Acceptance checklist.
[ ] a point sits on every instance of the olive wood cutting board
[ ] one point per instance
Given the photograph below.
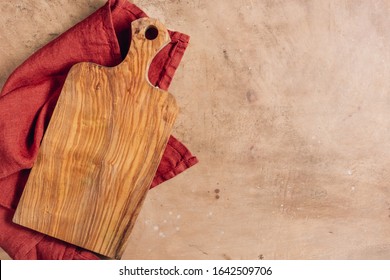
(101, 149)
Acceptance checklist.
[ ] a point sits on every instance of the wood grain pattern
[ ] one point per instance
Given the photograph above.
(101, 150)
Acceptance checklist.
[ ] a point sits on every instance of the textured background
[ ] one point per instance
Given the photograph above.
(286, 104)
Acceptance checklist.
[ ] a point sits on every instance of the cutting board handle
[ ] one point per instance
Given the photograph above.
(148, 37)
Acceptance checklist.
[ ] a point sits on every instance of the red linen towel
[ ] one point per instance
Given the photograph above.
(29, 96)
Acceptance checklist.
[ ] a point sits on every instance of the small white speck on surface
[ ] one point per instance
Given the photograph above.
(161, 234)
(281, 205)
(352, 188)
(222, 232)
(165, 221)
(155, 227)
(170, 213)
(178, 216)
(210, 214)
(349, 172)
(177, 228)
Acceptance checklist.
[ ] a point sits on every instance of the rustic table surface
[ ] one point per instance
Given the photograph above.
(287, 106)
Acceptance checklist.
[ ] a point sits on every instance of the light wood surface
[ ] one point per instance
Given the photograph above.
(286, 104)
(101, 150)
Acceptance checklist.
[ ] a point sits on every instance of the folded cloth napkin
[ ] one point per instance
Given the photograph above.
(27, 101)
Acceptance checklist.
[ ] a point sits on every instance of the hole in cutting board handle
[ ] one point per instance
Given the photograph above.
(151, 32)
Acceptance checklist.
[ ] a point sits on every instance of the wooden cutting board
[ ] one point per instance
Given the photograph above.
(101, 149)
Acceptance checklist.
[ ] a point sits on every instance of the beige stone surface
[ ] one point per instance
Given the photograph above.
(286, 104)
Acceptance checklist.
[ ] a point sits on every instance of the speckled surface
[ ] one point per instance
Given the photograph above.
(286, 104)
